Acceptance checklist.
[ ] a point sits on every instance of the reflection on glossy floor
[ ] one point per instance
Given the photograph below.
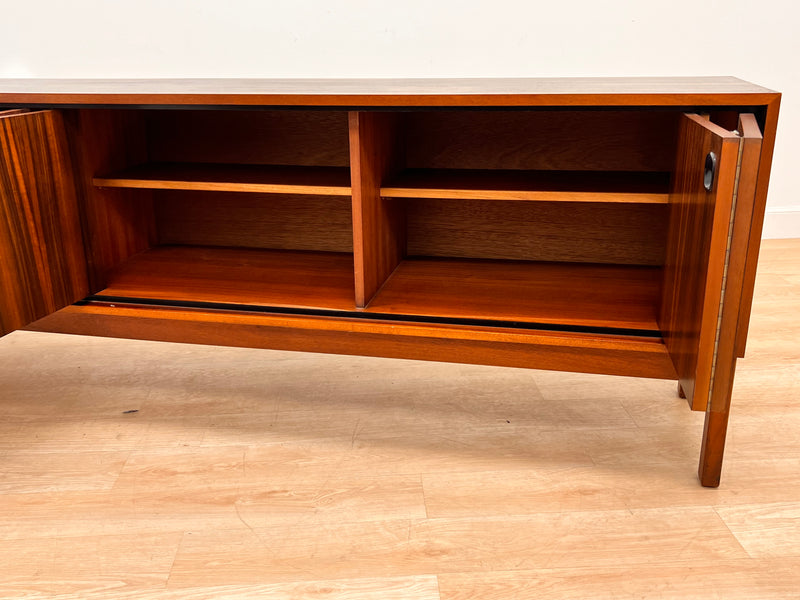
(149, 470)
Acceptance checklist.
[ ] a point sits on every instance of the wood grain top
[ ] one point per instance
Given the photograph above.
(560, 91)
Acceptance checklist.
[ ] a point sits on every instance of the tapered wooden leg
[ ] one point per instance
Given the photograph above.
(681, 393)
(711, 453)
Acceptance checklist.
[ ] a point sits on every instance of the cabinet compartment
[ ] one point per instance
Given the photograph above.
(549, 217)
(240, 207)
(568, 156)
(290, 152)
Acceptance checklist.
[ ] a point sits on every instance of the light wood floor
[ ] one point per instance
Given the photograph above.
(261, 474)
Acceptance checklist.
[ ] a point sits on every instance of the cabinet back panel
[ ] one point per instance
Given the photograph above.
(291, 222)
(561, 140)
(572, 232)
(249, 137)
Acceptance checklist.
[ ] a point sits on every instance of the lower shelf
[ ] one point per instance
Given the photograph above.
(471, 311)
(237, 276)
(599, 299)
(569, 294)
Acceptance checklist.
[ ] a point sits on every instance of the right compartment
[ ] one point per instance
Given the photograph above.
(552, 219)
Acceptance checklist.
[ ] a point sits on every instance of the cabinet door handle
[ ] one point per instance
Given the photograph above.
(710, 171)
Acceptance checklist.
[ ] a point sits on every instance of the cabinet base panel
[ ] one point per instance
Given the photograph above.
(610, 355)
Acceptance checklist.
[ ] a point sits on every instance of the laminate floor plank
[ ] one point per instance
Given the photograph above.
(417, 547)
(400, 588)
(767, 529)
(604, 488)
(729, 580)
(24, 472)
(93, 564)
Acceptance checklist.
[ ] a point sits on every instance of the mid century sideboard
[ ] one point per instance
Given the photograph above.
(596, 225)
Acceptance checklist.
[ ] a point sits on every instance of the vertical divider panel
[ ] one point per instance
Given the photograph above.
(376, 151)
(118, 223)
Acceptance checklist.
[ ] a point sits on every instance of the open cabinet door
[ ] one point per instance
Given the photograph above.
(704, 201)
(42, 260)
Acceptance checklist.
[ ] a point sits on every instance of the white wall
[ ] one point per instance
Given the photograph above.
(757, 41)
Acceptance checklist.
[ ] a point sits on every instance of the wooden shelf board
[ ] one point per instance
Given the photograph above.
(551, 186)
(237, 276)
(555, 293)
(265, 179)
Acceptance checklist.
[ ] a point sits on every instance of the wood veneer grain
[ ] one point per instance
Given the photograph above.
(42, 264)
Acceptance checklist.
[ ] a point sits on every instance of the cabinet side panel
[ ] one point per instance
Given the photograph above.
(42, 263)
(696, 249)
(757, 222)
(118, 222)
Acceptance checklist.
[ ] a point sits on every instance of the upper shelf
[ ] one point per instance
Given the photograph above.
(552, 186)
(265, 179)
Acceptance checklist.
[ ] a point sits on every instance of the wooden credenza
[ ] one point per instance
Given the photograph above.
(595, 225)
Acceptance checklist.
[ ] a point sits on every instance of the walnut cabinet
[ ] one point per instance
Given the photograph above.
(596, 225)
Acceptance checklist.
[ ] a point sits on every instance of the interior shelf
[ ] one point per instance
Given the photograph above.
(553, 186)
(570, 294)
(275, 179)
(287, 278)
(562, 294)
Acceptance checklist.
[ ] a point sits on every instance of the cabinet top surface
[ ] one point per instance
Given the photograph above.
(594, 91)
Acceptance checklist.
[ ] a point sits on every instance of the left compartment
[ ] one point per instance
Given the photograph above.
(240, 208)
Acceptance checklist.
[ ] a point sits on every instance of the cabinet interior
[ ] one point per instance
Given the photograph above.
(524, 218)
